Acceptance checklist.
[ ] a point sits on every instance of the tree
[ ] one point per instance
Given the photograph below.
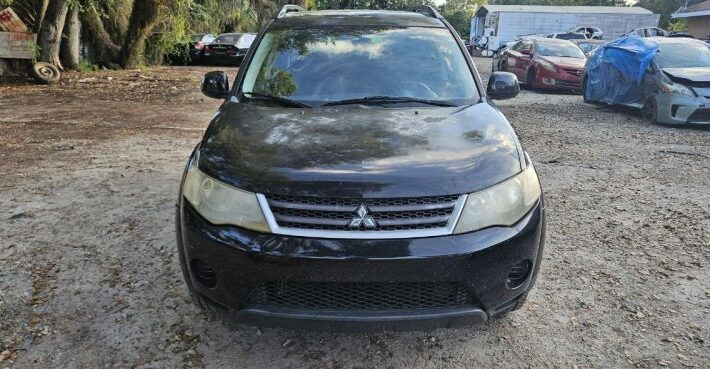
(663, 7)
(69, 51)
(144, 17)
(50, 36)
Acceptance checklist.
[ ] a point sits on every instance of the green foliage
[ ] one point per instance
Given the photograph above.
(86, 66)
(369, 4)
(663, 7)
(680, 25)
(459, 14)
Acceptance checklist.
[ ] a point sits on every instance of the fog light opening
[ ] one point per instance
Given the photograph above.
(204, 273)
(519, 274)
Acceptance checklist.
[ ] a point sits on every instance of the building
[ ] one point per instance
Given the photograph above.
(698, 17)
(494, 25)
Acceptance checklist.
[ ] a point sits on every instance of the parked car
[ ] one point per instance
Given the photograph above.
(336, 189)
(498, 53)
(591, 32)
(228, 49)
(681, 34)
(568, 36)
(545, 63)
(673, 89)
(588, 46)
(190, 52)
(648, 32)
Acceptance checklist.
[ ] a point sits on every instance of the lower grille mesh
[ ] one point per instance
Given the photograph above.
(700, 115)
(361, 295)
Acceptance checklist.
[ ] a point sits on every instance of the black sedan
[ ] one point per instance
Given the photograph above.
(228, 49)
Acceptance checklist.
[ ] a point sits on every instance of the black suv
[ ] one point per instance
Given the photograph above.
(358, 177)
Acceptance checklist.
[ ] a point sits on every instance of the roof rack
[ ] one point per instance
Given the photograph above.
(427, 10)
(290, 8)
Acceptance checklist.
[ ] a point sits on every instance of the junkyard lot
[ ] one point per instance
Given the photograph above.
(89, 275)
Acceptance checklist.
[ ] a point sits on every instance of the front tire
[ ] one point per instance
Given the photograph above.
(649, 111)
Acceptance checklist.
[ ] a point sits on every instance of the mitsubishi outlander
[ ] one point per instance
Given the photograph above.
(358, 176)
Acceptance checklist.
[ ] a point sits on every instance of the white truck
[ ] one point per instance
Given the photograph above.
(495, 25)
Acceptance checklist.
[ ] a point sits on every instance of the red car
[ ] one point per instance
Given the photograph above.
(545, 63)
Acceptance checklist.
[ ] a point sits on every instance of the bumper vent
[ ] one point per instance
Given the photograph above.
(363, 215)
(361, 295)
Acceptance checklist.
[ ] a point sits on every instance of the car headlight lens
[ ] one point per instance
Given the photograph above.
(501, 205)
(547, 66)
(676, 89)
(221, 204)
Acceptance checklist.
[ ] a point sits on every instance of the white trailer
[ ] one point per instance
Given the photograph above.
(494, 25)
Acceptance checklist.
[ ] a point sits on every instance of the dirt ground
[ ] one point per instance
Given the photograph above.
(89, 276)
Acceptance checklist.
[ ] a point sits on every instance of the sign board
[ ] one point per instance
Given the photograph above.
(10, 22)
(16, 45)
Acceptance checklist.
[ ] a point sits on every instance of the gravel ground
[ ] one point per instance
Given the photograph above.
(89, 277)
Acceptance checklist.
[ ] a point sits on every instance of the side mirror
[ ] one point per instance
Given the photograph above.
(215, 85)
(527, 52)
(503, 85)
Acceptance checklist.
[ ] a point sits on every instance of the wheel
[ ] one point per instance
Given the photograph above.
(649, 112)
(45, 73)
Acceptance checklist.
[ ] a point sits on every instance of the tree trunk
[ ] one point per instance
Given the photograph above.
(103, 48)
(50, 37)
(70, 46)
(144, 17)
(40, 10)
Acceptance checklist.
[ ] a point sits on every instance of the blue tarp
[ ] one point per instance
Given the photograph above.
(615, 71)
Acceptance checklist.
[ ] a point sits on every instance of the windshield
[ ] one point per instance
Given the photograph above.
(566, 50)
(321, 65)
(227, 39)
(683, 55)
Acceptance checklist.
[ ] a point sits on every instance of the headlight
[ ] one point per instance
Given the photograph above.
(223, 204)
(676, 89)
(547, 66)
(501, 205)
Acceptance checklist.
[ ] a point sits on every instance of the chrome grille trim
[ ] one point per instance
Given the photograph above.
(444, 230)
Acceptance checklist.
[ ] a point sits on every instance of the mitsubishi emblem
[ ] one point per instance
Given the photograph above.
(362, 218)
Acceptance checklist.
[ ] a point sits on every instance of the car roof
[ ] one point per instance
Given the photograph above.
(551, 40)
(674, 40)
(588, 41)
(325, 18)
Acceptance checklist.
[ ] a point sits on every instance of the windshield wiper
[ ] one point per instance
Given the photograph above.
(388, 99)
(278, 99)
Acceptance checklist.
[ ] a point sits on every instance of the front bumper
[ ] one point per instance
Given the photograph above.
(224, 59)
(677, 109)
(561, 80)
(243, 261)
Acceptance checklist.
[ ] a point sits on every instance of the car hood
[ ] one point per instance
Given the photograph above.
(360, 151)
(688, 75)
(576, 63)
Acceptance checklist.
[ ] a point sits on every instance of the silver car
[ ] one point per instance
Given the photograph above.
(677, 85)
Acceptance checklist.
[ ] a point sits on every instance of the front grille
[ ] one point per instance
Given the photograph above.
(562, 83)
(337, 214)
(700, 115)
(361, 295)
